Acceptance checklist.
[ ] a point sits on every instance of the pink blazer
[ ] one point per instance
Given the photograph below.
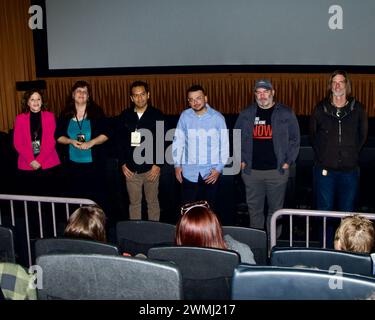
(47, 157)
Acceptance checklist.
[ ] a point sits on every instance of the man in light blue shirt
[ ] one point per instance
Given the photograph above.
(200, 148)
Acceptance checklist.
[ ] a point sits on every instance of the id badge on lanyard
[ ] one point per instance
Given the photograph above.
(81, 137)
(135, 139)
(36, 147)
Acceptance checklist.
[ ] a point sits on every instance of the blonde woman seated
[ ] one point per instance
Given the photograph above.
(355, 234)
(87, 222)
(200, 227)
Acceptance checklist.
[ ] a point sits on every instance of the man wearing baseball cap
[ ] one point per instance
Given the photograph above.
(270, 140)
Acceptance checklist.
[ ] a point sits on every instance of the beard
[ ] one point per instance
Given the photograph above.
(339, 93)
(199, 109)
(265, 103)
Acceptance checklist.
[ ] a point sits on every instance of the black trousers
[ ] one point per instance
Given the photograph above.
(42, 182)
(87, 180)
(195, 191)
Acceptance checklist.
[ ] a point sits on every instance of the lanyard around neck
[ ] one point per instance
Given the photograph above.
(80, 123)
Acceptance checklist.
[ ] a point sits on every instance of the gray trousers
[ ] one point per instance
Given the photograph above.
(259, 185)
(134, 187)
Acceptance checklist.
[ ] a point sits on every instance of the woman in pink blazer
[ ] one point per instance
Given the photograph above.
(34, 130)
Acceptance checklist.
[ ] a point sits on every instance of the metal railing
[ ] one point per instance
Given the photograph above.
(17, 211)
(308, 213)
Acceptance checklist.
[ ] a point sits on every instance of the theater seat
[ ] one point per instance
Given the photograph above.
(138, 236)
(93, 277)
(7, 253)
(66, 245)
(349, 262)
(278, 283)
(256, 239)
(206, 272)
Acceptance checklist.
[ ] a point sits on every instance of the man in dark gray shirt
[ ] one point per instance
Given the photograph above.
(270, 140)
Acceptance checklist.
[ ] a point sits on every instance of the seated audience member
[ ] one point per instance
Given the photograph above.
(200, 227)
(16, 282)
(355, 234)
(87, 222)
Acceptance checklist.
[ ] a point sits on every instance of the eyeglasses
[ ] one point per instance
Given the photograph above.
(197, 99)
(81, 91)
(187, 207)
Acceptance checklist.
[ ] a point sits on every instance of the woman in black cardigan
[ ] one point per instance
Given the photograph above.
(82, 129)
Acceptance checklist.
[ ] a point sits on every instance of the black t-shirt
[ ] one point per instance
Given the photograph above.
(36, 131)
(36, 125)
(263, 154)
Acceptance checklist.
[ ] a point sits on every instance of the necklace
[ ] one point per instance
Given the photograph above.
(340, 106)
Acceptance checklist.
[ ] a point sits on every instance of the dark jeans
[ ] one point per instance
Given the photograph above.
(195, 191)
(337, 190)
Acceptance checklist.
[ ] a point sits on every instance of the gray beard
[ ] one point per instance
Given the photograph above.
(336, 94)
